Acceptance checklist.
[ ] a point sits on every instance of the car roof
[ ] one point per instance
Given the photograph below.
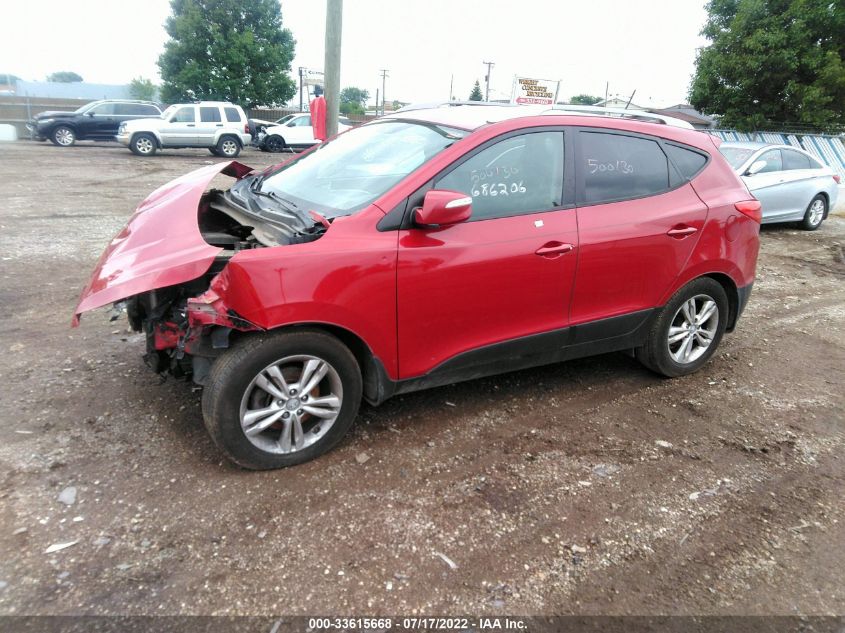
(471, 116)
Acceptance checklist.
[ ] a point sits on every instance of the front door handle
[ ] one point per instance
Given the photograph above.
(191, 125)
(681, 231)
(551, 250)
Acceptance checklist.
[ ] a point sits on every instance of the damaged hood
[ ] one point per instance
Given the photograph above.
(160, 246)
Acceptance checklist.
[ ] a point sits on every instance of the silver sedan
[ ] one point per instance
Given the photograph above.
(792, 185)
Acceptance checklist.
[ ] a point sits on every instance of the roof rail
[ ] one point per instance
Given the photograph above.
(443, 104)
(637, 115)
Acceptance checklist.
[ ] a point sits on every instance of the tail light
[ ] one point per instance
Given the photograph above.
(837, 178)
(246, 128)
(751, 208)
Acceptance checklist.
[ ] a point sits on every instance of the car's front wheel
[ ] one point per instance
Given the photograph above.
(63, 136)
(143, 144)
(815, 213)
(688, 329)
(228, 147)
(280, 399)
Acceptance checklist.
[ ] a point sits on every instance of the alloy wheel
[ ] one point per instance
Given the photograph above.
(816, 214)
(229, 147)
(693, 329)
(144, 145)
(65, 137)
(291, 404)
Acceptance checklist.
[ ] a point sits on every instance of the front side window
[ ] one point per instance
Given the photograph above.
(104, 109)
(618, 167)
(773, 161)
(521, 174)
(209, 114)
(352, 170)
(184, 115)
(795, 160)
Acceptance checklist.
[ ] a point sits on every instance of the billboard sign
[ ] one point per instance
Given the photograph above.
(534, 91)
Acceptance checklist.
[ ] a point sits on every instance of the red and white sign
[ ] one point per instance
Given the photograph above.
(534, 91)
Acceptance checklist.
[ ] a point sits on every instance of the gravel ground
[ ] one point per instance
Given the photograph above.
(590, 487)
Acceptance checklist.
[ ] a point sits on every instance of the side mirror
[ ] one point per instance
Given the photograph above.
(442, 207)
(756, 167)
(90, 113)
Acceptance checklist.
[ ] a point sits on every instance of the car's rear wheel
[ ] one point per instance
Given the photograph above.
(228, 147)
(276, 400)
(274, 143)
(143, 144)
(815, 213)
(63, 136)
(688, 329)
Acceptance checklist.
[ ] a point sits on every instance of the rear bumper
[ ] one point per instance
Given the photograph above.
(743, 294)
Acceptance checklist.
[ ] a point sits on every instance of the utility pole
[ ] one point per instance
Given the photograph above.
(487, 78)
(383, 93)
(334, 29)
(300, 88)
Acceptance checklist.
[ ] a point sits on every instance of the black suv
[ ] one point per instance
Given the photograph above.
(95, 121)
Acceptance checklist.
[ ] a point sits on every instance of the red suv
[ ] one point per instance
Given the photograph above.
(425, 248)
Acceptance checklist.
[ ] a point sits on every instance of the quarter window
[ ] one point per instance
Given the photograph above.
(232, 115)
(773, 161)
(795, 160)
(618, 167)
(209, 114)
(184, 115)
(519, 175)
(688, 162)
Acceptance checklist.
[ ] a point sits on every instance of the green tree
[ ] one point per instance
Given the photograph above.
(65, 77)
(778, 62)
(229, 50)
(353, 100)
(476, 94)
(142, 89)
(584, 99)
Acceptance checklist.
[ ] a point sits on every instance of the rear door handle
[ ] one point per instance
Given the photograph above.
(680, 232)
(191, 125)
(551, 250)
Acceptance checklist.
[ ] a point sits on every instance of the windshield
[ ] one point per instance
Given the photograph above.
(736, 156)
(358, 166)
(170, 110)
(284, 119)
(86, 107)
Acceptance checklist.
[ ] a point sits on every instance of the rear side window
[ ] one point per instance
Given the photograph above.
(232, 115)
(795, 160)
(209, 114)
(519, 175)
(618, 167)
(687, 161)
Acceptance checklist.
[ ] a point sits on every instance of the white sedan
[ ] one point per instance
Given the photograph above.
(295, 132)
(792, 185)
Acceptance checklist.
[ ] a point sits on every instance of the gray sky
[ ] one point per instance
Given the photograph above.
(646, 45)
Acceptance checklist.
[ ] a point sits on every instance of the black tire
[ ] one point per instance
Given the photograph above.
(657, 354)
(213, 151)
(231, 383)
(274, 143)
(228, 147)
(63, 136)
(143, 144)
(815, 214)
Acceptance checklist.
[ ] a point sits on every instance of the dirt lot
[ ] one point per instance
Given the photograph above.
(589, 487)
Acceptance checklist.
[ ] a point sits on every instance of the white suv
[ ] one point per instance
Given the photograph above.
(219, 126)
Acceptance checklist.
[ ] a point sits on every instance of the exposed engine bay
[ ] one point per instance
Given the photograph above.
(187, 325)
